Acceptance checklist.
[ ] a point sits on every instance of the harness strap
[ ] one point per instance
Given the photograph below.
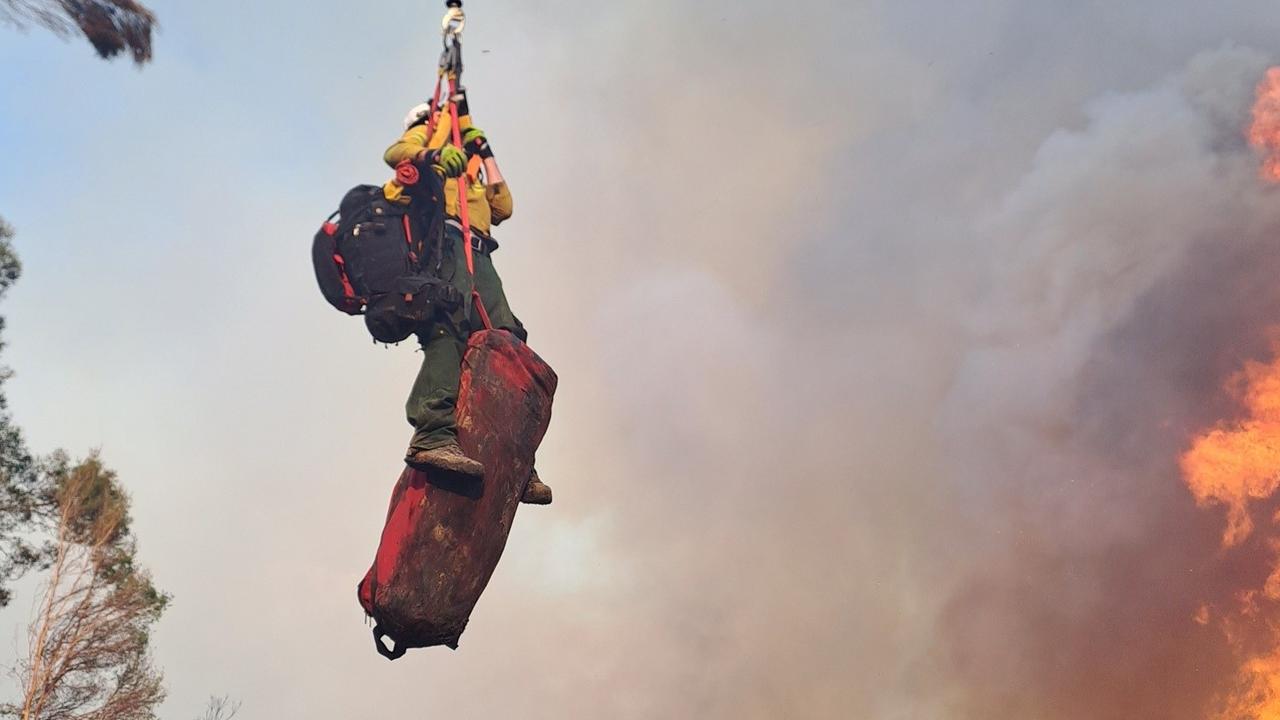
(435, 102)
(481, 242)
(408, 238)
(464, 213)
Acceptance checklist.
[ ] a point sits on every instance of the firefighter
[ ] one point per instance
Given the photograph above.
(433, 399)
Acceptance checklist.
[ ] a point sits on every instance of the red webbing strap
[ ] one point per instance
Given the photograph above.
(408, 238)
(431, 116)
(484, 314)
(464, 213)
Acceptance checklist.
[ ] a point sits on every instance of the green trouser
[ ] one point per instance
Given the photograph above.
(434, 396)
(489, 285)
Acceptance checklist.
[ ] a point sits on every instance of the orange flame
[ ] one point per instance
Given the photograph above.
(1264, 132)
(1257, 694)
(1237, 465)
(1234, 465)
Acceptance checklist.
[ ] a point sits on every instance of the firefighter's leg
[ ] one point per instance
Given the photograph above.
(433, 400)
(495, 300)
(489, 284)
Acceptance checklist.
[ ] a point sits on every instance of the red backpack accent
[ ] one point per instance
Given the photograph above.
(406, 174)
(331, 270)
(347, 291)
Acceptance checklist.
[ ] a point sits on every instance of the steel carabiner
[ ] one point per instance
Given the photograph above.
(453, 23)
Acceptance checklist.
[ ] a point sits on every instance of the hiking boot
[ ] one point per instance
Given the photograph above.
(536, 492)
(446, 457)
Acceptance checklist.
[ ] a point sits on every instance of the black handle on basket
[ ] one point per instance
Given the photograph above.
(383, 650)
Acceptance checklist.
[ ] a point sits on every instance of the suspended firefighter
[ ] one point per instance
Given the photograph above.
(413, 256)
(431, 407)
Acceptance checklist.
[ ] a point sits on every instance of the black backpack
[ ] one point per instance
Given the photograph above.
(376, 258)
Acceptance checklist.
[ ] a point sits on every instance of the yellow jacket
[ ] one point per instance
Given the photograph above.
(487, 205)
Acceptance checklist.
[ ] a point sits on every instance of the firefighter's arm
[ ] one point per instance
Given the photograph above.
(496, 192)
(411, 146)
(499, 197)
(414, 147)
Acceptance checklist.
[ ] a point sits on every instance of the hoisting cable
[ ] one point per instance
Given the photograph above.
(451, 67)
(451, 58)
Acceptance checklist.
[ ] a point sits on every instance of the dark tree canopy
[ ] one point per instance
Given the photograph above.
(112, 26)
(21, 476)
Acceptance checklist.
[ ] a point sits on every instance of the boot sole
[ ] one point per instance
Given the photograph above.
(427, 466)
(536, 498)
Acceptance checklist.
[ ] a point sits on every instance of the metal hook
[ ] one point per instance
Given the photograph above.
(451, 58)
(453, 24)
(455, 20)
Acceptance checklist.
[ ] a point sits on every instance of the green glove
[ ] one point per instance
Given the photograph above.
(474, 140)
(451, 161)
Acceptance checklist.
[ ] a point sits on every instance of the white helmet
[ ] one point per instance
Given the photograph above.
(416, 115)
